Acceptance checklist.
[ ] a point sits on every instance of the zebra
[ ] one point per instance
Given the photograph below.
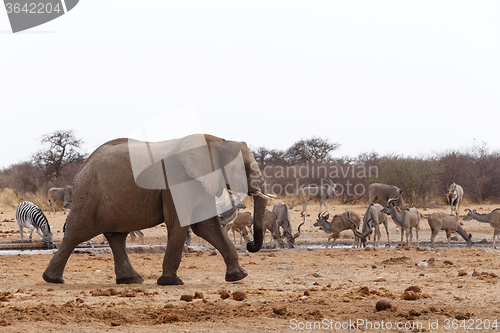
(29, 215)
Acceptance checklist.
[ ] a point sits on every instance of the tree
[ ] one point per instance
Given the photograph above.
(63, 150)
(264, 156)
(314, 150)
(417, 175)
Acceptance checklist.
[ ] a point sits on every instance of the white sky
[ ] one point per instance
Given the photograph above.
(406, 77)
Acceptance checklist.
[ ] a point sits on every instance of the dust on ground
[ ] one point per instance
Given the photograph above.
(308, 287)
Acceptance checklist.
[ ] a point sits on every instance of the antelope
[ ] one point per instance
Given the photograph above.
(60, 194)
(455, 197)
(318, 193)
(449, 223)
(227, 211)
(405, 219)
(280, 217)
(383, 192)
(340, 222)
(492, 218)
(242, 221)
(371, 220)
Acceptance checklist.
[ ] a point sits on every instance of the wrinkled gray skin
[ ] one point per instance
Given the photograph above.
(106, 200)
(63, 195)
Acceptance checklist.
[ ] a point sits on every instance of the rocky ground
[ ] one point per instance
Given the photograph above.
(308, 288)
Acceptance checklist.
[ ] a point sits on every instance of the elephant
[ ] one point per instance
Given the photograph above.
(127, 185)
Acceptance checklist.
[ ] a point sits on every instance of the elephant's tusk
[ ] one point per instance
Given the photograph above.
(262, 195)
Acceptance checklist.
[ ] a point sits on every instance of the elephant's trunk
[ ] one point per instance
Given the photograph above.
(259, 207)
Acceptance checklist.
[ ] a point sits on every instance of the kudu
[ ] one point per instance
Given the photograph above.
(384, 192)
(241, 223)
(371, 220)
(449, 223)
(60, 194)
(318, 193)
(338, 224)
(455, 197)
(278, 218)
(492, 218)
(227, 213)
(406, 219)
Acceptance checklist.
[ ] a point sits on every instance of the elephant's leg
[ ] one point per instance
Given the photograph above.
(173, 255)
(125, 273)
(211, 231)
(54, 271)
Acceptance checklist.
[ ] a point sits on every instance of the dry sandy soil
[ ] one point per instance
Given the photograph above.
(308, 288)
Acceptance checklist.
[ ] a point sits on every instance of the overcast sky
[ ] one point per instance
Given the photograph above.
(404, 77)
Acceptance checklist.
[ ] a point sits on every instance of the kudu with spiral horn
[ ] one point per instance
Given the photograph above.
(339, 223)
(371, 220)
(318, 193)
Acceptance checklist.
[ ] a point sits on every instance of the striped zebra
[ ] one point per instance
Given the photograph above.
(28, 215)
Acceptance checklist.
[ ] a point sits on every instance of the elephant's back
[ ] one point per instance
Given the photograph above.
(115, 150)
(107, 165)
(104, 189)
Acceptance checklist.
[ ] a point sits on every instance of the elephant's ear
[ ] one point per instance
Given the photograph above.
(228, 157)
(196, 159)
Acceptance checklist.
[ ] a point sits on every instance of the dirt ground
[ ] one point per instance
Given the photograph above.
(308, 288)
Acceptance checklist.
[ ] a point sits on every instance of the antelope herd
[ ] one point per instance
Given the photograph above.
(278, 221)
(405, 218)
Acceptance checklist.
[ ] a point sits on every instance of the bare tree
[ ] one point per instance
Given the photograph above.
(64, 149)
(265, 157)
(311, 150)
